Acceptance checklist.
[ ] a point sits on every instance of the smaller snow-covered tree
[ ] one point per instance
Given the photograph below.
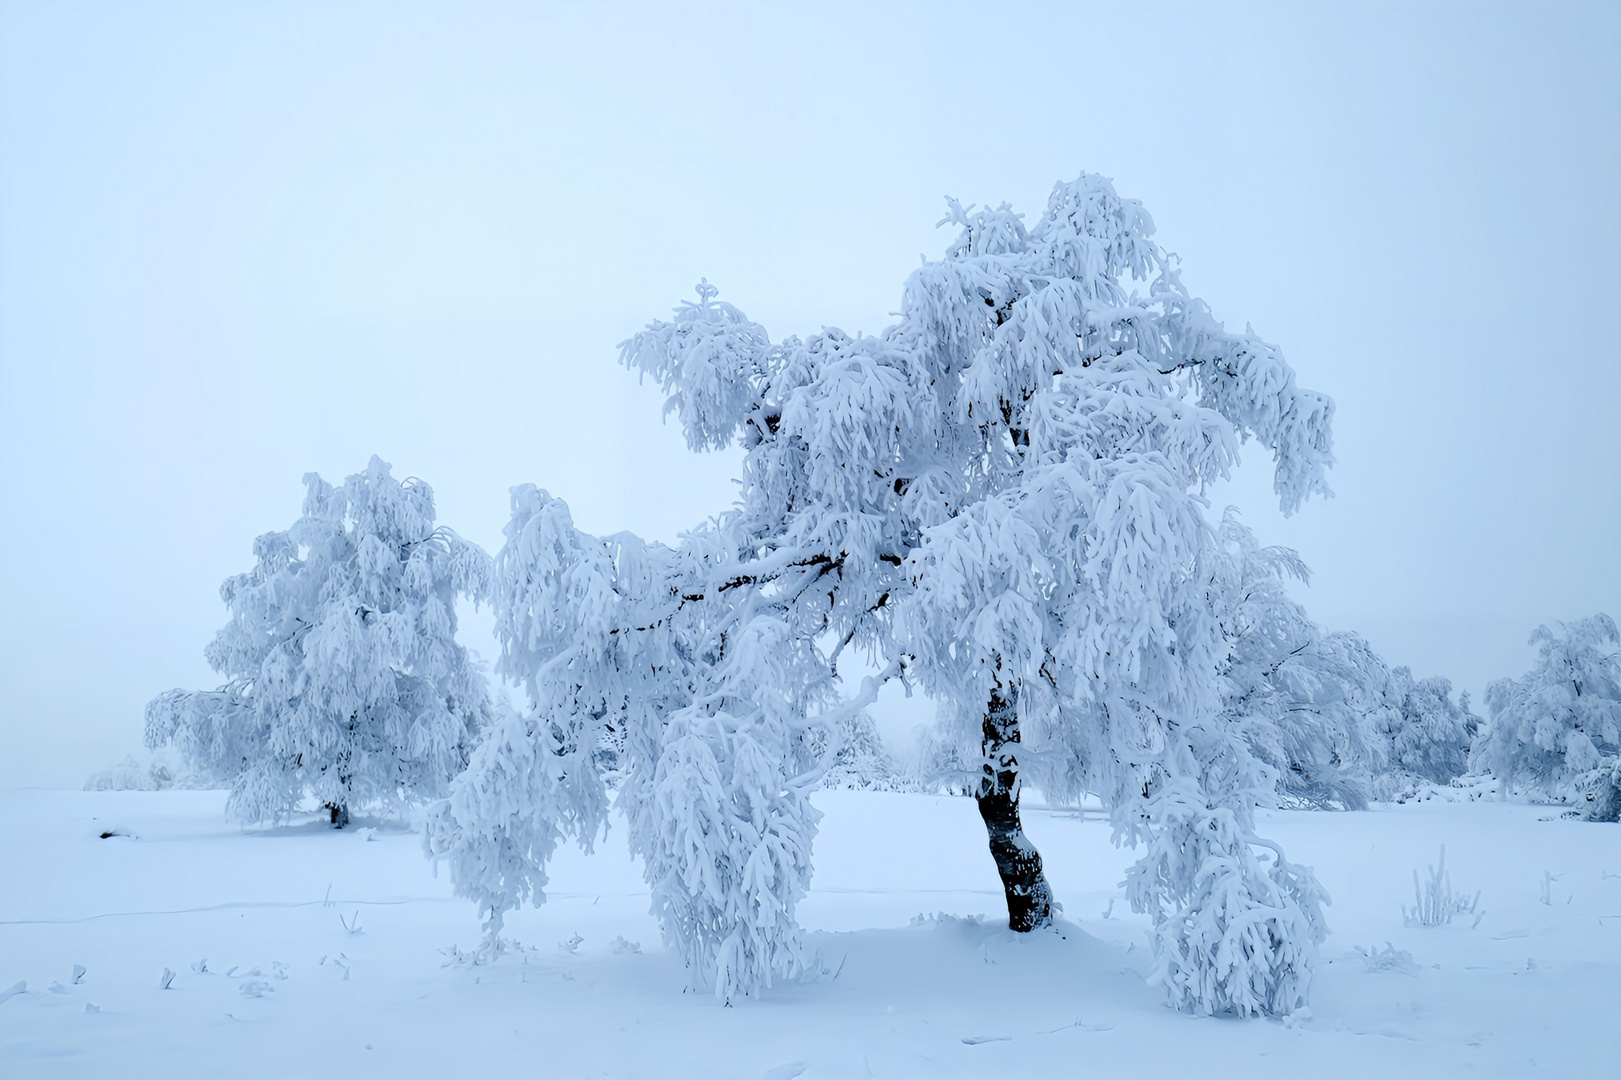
(1339, 693)
(860, 760)
(716, 704)
(941, 761)
(1324, 709)
(1290, 690)
(1556, 730)
(1430, 741)
(344, 680)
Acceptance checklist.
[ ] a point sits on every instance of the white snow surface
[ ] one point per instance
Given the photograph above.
(288, 990)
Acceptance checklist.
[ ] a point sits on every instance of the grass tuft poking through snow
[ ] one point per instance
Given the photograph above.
(1388, 958)
(1435, 904)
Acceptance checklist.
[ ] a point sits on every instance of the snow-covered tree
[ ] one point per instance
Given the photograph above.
(999, 496)
(861, 762)
(998, 499)
(344, 680)
(716, 697)
(1556, 730)
(161, 772)
(1431, 741)
(1298, 696)
(1324, 710)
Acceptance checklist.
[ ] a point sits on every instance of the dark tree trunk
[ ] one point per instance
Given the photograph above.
(1029, 899)
(340, 814)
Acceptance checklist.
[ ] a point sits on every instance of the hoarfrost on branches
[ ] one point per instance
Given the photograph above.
(344, 680)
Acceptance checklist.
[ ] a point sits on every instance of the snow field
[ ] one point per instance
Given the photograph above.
(288, 989)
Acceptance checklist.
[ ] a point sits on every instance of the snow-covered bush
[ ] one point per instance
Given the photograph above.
(1237, 930)
(160, 772)
(1556, 730)
(1389, 958)
(129, 775)
(344, 678)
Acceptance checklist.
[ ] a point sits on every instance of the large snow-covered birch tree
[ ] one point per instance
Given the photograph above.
(999, 499)
(344, 680)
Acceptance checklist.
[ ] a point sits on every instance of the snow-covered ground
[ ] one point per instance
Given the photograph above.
(335, 954)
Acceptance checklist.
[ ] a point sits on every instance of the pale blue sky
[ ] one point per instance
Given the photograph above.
(243, 241)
